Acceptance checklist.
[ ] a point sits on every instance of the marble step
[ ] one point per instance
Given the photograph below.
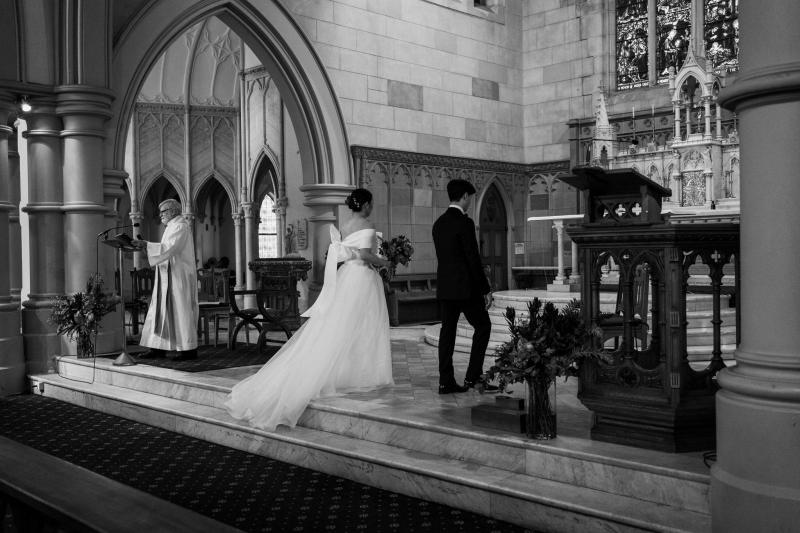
(703, 353)
(699, 332)
(165, 382)
(518, 299)
(627, 471)
(514, 497)
(463, 345)
(411, 428)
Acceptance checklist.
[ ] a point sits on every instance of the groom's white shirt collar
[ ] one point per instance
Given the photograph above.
(459, 208)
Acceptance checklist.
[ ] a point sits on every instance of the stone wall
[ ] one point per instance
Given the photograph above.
(432, 76)
(409, 193)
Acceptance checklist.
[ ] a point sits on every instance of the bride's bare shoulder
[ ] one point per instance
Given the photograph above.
(355, 224)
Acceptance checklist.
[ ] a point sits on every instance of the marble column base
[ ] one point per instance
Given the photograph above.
(40, 342)
(758, 486)
(12, 358)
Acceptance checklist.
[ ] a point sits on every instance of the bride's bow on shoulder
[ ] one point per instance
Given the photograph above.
(337, 253)
(336, 249)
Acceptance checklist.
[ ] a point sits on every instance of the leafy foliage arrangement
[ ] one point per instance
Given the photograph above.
(547, 345)
(78, 315)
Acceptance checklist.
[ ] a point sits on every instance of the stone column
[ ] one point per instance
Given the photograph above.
(249, 251)
(280, 210)
(677, 184)
(755, 483)
(559, 227)
(237, 261)
(327, 202)
(14, 229)
(719, 120)
(112, 194)
(707, 117)
(84, 111)
(574, 276)
(676, 107)
(46, 231)
(12, 361)
(688, 121)
(250, 229)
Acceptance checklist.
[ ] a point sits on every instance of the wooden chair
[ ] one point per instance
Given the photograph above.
(213, 297)
(142, 281)
(261, 318)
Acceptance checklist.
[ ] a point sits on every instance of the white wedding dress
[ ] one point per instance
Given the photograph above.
(343, 346)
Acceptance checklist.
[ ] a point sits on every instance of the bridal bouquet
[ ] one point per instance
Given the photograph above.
(399, 251)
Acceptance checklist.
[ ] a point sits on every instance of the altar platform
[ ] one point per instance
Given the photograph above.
(409, 439)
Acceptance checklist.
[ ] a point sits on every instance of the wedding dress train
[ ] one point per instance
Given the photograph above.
(343, 346)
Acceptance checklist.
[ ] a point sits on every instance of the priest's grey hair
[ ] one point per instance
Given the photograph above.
(172, 204)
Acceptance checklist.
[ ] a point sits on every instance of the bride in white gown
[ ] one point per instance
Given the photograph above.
(344, 346)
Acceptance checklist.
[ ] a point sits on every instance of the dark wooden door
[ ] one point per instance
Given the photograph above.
(493, 239)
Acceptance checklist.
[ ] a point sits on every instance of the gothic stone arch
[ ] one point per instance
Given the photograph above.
(275, 38)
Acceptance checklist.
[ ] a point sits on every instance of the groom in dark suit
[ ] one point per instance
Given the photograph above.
(461, 287)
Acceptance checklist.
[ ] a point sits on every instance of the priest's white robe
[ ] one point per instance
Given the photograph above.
(171, 322)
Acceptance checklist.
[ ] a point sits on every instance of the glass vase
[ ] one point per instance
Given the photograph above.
(541, 415)
(85, 347)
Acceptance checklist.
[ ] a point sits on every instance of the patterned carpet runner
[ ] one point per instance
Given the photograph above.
(213, 358)
(247, 491)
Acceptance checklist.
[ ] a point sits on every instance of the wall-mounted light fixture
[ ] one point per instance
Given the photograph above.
(24, 105)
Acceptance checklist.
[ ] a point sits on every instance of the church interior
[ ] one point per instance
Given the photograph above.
(627, 154)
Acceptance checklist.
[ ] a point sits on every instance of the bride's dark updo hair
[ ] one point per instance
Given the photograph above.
(356, 200)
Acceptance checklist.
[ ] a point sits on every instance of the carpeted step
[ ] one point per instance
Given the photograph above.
(514, 497)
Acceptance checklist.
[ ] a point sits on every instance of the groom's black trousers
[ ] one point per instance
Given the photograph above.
(476, 314)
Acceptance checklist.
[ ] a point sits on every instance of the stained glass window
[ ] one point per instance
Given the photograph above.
(267, 230)
(721, 32)
(632, 53)
(673, 28)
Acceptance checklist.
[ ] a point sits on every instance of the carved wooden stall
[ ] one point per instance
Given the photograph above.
(648, 394)
(276, 283)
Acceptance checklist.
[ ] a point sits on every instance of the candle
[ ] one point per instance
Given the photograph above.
(652, 110)
(633, 113)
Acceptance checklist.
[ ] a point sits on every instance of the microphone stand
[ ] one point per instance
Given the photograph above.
(124, 358)
(122, 245)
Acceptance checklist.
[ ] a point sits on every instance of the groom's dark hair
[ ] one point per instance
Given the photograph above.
(457, 188)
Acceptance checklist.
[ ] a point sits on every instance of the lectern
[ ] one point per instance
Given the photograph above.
(648, 394)
(123, 243)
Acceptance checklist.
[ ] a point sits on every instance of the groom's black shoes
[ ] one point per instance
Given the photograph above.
(481, 386)
(450, 389)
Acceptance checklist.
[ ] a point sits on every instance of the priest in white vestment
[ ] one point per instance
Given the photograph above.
(171, 322)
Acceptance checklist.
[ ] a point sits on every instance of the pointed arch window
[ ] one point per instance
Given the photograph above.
(267, 229)
(653, 36)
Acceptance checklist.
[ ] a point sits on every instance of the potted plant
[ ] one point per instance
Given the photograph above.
(547, 345)
(78, 315)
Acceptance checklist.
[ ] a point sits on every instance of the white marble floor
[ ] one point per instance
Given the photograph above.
(415, 397)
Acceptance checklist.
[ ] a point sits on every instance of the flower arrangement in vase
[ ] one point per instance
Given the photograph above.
(549, 344)
(78, 315)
